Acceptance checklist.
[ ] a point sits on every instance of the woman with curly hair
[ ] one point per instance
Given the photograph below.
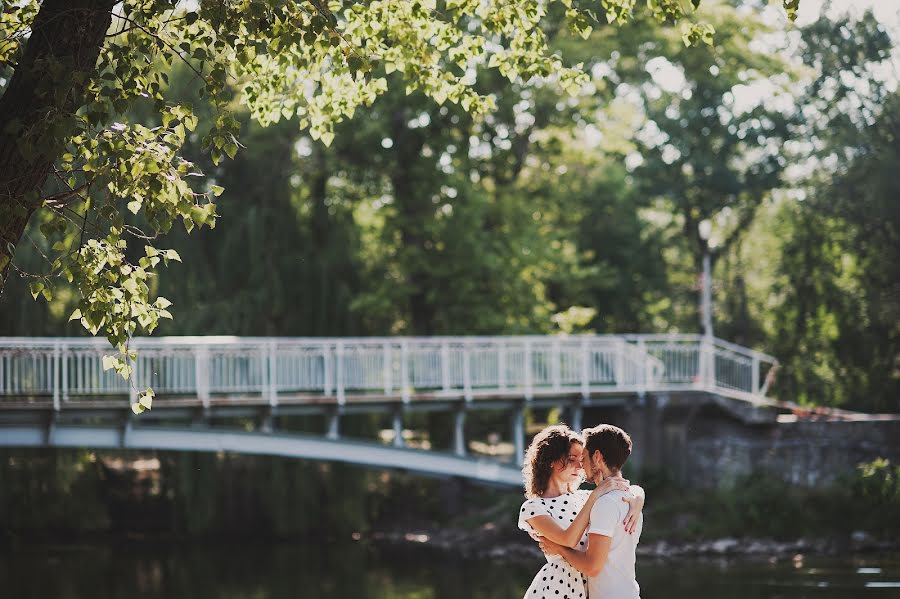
(557, 510)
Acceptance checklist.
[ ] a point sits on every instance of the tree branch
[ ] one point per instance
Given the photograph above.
(62, 198)
(744, 222)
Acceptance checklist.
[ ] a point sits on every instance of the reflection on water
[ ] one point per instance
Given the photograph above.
(360, 571)
(864, 576)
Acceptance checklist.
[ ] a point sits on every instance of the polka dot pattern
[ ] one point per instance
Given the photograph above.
(557, 579)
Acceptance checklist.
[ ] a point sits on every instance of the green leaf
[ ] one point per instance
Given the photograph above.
(146, 398)
(216, 190)
(124, 370)
(110, 362)
(131, 286)
(76, 315)
(198, 215)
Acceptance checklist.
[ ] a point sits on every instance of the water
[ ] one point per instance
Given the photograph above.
(145, 570)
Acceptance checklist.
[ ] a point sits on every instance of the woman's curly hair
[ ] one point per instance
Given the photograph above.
(547, 448)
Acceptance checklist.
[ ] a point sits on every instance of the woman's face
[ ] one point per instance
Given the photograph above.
(569, 468)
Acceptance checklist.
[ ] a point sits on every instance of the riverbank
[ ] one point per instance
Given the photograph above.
(490, 543)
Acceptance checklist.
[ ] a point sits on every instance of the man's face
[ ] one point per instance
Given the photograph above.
(587, 466)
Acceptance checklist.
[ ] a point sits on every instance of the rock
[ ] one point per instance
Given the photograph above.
(757, 547)
(495, 544)
(723, 546)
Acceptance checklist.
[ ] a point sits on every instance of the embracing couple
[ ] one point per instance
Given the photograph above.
(589, 537)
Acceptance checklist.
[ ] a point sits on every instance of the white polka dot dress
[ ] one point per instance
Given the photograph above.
(557, 579)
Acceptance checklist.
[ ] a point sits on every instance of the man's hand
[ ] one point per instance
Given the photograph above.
(549, 547)
(635, 505)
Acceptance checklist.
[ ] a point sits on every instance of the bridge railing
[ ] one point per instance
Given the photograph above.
(69, 369)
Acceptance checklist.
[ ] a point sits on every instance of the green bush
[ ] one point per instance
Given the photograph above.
(877, 488)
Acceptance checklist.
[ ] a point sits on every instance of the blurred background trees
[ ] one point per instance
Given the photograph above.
(555, 213)
(420, 220)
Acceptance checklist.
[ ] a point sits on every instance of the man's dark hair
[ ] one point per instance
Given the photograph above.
(611, 441)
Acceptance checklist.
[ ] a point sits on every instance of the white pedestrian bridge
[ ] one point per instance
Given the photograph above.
(55, 392)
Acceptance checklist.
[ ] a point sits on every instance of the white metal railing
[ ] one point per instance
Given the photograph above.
(69, 369)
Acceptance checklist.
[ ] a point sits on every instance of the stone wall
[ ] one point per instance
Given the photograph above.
(696, 440)
(807, 453)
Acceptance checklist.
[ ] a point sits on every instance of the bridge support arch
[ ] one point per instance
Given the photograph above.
(307, 447)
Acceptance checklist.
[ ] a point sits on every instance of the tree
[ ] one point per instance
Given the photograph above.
(73, 67)
(836, 324)
(708, 153)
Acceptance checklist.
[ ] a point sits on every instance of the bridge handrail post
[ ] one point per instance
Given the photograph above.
(585, 368)
(501, 365)
(707, 363)
(527, 368)
(54, 381)
(404, 370)
(387, 365)
(645, 374)
(272, 373)
(619, 364)
(556, 356)
(445, 366)
(754, 374)
(262, 357)
(467, 373)
(339, 372)
(64, 371)
(326, 369)
(202, 373)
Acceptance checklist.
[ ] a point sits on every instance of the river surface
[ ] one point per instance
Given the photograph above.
(145, 570)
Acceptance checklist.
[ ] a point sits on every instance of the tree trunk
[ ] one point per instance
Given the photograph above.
(69, 33)
(414, 209)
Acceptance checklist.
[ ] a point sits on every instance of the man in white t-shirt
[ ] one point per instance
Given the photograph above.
(610, 556)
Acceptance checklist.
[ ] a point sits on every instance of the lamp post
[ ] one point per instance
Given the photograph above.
(707, 356)
(704, 229)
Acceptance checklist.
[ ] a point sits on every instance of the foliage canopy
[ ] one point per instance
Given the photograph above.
(71, 69)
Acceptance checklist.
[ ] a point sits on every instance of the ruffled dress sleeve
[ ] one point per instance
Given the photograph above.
(532, 509)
